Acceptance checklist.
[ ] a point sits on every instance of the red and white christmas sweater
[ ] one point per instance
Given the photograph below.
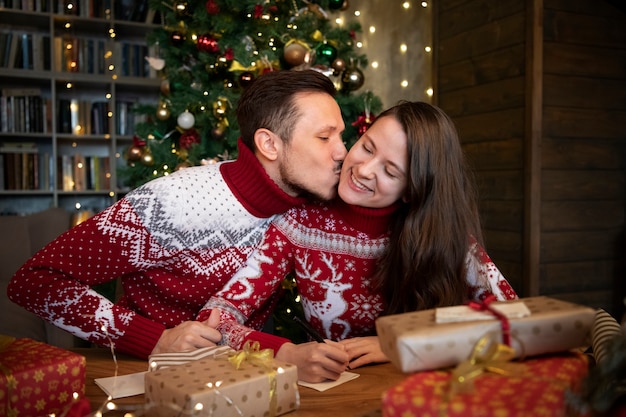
(173, 242)
(331, 250)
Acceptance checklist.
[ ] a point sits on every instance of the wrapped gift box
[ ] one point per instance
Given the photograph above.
(164, 360)
(214, 383)
(37, 379)
(415, 342)
(538, 390)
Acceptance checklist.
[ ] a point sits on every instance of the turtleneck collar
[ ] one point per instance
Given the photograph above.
(373, 221)
(256, 191)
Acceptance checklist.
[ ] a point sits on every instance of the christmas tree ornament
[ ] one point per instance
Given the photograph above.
(345, 6)
(245, 79)
(155, 63)
(188, 138)
(147, 159)
(163, 112)
(352, 79)
(165, 87)
(208, 43)
(220, 107)
(296, 52)
(338, 66)
(134, 153)
(326, 53)
(212, 7)
(177, 38)
(186, 120)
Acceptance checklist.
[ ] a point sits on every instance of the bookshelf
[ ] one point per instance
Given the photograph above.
(70, 74)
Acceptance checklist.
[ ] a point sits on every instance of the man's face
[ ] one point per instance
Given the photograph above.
(311, 162)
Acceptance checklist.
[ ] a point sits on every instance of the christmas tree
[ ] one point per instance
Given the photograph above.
(206, 52)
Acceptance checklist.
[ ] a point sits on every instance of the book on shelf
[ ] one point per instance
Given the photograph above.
(24, 110)
(24, 167)
(83, 173)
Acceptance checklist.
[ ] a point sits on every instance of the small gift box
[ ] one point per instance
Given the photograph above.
(164, 360)
(246, 383)
(536, 387)
(416, 342)
(37, 379)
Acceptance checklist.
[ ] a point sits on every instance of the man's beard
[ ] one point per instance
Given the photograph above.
(296, 187)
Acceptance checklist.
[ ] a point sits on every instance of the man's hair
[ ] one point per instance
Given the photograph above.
(269, 102)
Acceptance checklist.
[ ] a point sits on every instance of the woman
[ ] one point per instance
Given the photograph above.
(404, 236)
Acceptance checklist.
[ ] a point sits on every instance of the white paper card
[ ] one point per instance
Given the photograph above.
(512, 310)
(323, 386)
(122, 386)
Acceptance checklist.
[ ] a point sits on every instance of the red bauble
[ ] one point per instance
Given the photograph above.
(207, 43)
(212, 7)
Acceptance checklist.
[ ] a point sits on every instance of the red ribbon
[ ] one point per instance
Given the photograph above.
(485, 305)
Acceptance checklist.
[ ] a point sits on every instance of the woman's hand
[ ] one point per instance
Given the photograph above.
(316, 362)
(363, 351)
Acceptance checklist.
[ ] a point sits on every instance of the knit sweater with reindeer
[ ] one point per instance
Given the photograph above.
(332, 251)
(172, 242)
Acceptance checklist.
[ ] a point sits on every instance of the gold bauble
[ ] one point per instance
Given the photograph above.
(147, 159)
(296, 53)
(134, 153)
(163, 113)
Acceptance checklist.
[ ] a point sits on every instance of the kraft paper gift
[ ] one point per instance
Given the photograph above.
(249, 383)
(415, 342)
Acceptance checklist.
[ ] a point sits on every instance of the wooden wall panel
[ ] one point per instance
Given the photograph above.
(493, 59)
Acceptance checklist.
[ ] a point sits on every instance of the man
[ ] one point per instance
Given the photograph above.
(176, 240)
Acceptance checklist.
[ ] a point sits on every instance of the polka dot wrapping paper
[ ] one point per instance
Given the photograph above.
(37, 379)
(538, 390)
(414, 342)
(214, 386)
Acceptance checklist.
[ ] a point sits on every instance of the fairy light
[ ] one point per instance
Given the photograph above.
(404, 84)
(403, 48)
(424, 4)
(430, 92)
(375, 64)
(428, 49)
(406, 5)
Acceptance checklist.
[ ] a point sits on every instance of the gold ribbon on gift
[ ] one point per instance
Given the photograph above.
(487, 356)
(253, 354)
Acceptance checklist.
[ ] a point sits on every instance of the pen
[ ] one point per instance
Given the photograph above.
(308, 329)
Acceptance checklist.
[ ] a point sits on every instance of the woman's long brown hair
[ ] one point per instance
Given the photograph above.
(424, 263)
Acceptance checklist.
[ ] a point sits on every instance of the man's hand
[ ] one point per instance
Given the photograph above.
(363, 351)
(190, 335)
(316, 362)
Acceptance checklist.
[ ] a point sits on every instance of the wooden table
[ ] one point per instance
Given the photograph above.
(360, 397)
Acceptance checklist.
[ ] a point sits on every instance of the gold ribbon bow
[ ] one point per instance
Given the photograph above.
(252, 353)
(486, 356)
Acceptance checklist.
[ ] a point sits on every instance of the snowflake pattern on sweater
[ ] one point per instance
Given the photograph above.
(331, 250)
(173, 242)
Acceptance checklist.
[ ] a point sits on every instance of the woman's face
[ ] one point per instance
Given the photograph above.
(374, 173)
